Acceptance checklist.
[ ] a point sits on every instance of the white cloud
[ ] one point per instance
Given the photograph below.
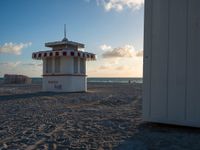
(119, 5)
(139, 53)
(113, 67)
(125, 51)
(120, 52)
(10, 64)
(117, 66)
(13, 48)
(33, 64)
(105, 47)
(122, 68)
(31, 68)
(104, 67)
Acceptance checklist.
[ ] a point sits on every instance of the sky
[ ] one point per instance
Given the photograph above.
(112, 29)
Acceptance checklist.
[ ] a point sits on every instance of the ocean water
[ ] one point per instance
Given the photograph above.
(98, 80)
(115, 80)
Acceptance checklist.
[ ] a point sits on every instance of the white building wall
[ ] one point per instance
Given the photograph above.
(53, 65)
(65, 80)
(44, 65)
(79, 65)
(171, 62)
(65, 83)
(67, 65)
(82, 63)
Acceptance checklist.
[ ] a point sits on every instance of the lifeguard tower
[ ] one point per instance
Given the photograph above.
(64, 67)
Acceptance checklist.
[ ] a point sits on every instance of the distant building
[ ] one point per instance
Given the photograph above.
(16, 79)
(171, 62)
(64, 67)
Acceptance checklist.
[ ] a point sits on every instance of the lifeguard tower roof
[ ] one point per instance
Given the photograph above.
(64, 42)
(64, 47)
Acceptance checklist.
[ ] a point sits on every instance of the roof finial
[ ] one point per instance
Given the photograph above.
(65, 38)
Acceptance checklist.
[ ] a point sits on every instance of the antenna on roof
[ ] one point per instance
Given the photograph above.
(65, 39)
(64, 30)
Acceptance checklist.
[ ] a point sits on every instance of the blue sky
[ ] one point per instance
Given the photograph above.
(103, 26)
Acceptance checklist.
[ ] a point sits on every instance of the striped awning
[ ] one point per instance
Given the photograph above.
(67, 53)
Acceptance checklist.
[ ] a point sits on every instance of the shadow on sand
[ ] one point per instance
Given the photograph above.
(162, 136)
(30, 95)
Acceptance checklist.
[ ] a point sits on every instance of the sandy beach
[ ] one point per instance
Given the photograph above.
(108, 116)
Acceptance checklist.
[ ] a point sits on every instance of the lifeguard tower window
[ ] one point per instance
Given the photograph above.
(48, 65)
(57, 64)
(82, 66)
(75, 65)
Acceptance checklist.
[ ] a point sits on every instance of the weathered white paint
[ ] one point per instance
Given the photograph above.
(171, 62)
(66, 80)
(65, 83)
(67, 64)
